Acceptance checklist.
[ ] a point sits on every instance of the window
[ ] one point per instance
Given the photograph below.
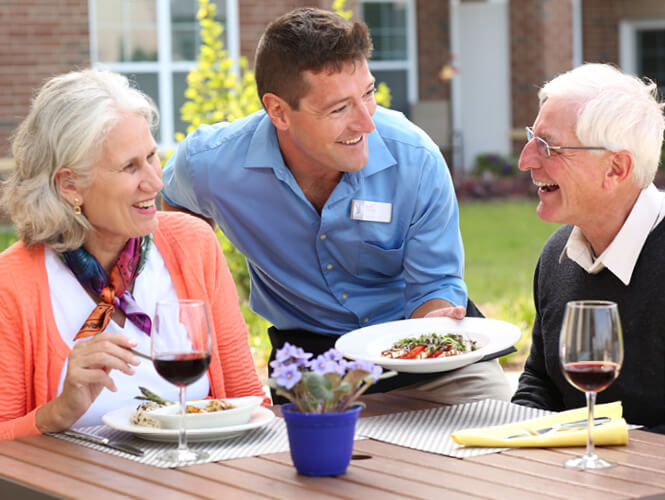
(651, 56)
(155, 43)
(392, 27)
(642, 49)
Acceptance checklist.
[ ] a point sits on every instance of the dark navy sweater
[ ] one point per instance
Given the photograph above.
(641, 382)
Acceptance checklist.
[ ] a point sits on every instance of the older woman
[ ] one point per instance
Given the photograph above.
(94, 256)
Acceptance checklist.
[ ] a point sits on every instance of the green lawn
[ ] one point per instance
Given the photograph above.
(502, 241)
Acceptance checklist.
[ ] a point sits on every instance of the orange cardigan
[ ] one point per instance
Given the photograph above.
(32, 352)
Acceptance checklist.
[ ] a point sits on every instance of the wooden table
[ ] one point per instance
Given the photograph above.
(42, 467)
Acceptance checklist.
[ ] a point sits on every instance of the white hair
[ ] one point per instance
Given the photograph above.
(616, 111)
(67, 125)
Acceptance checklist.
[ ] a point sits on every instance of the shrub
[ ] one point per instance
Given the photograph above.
(495, 165)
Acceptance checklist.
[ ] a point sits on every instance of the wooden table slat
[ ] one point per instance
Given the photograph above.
(100, 475)
(155, 478)
(454, 473)
(52, 482)
(62, 469)
(353, 484)
(281, 487)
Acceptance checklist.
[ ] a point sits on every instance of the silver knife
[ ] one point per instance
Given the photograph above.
(573, 425)
(579, 424)
(117, 445)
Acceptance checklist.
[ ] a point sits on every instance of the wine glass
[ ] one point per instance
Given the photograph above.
(180, 345)
(591, 353)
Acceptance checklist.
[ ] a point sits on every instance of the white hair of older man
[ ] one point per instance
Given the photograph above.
(616, 111)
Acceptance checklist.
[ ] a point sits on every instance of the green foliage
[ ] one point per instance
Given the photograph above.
(338, 6)
(258, 327)
(7, 239)
(215, 92)
(383, 96)
(495, 165)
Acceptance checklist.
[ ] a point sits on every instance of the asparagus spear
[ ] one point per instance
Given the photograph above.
(148, 395)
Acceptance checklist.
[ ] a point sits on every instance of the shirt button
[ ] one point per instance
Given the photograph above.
(329, 267)
(344, 296)
(323, 236)
(366, 320)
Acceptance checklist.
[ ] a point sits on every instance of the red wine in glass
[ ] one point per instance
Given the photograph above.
(182, 369)
(591, 376)
(591, 354)
(181, 347)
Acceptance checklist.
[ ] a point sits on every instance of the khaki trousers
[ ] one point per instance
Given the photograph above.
(484, 380)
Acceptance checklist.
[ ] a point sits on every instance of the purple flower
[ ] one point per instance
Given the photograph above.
(333, 355)
(321, 365)
(367, 366)
(287, 375)
(291, 354)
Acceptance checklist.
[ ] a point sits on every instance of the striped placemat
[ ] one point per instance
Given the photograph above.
(430, 429)
(425, 430)
(271, 438)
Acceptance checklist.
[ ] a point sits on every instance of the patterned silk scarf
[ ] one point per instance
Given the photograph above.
(114, 291)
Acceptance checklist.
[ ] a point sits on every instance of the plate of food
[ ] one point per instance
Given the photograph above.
(206, 413)
(140, 421)
(428, 345)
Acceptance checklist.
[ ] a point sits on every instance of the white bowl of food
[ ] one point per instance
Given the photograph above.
(207, 413)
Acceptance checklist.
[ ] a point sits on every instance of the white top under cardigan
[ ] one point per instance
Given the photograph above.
(71, 307)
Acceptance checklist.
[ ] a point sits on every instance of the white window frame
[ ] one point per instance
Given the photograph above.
(164, 67)
(628, 40)
(411, 63)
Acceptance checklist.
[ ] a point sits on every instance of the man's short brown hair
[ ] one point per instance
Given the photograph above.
(306, 39)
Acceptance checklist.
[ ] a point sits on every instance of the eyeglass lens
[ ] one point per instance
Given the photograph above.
(542, 145)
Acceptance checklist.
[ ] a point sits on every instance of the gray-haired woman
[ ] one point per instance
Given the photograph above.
(95, 256)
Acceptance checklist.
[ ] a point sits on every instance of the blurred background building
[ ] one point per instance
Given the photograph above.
(467, 71)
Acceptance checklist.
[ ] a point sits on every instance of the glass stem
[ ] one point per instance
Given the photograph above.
(590, 446)
(182, 437)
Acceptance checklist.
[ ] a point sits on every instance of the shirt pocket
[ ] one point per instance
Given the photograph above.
(378, 259)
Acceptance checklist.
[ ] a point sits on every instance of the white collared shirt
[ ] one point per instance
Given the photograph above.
(621, 255)
(71, 306)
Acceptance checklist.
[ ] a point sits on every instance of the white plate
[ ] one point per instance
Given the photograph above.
(367, 343)
(119, 419)
(169, 416)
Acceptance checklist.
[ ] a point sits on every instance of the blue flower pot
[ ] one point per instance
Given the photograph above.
(321, 443)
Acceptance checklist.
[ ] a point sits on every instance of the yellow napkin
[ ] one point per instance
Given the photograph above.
(614, 432)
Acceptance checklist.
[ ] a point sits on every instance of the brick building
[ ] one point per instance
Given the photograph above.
(467, 71)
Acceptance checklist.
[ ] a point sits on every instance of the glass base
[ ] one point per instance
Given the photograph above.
(181, 457)
(588, 462)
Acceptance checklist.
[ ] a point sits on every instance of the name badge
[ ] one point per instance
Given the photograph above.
(371, 211)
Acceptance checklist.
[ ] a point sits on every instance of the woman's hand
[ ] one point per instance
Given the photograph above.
(88, 372)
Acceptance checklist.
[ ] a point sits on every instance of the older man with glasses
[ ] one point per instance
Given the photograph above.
(593, 152)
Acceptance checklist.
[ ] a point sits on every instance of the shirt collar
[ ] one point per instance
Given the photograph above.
(264, 151)
(263, 148)
(621, 255)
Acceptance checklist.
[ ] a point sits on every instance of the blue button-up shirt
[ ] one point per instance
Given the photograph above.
(327, 273)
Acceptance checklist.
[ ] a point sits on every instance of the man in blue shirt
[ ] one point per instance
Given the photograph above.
(345, 212)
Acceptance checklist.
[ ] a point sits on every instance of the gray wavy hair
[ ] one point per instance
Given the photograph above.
(68, 122)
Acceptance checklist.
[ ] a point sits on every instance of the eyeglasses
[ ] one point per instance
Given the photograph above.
(546, 148)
